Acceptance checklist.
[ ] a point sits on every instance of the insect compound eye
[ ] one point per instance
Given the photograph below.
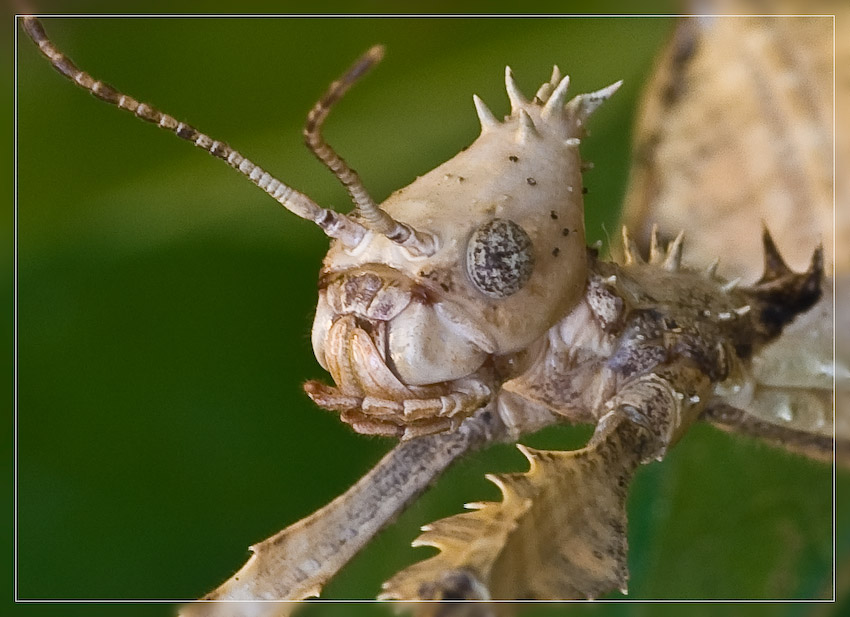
(499, 258)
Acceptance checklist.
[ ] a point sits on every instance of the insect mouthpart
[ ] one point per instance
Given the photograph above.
(402, 361)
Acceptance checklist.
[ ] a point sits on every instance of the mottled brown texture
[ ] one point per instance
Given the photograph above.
(500, 258)
(736, 131)
(666, 336)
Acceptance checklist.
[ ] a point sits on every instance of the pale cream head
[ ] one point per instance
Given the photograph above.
(507, 220)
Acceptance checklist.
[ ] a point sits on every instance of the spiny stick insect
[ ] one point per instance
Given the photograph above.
(622, 431)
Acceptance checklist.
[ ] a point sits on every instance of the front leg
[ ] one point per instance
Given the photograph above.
(296, 562)
(560, 530)
(664, 403)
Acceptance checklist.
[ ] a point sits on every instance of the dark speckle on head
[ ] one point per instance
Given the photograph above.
(499, 258)
(565, 232)
(531, 181)
(553, 215)
(556, 251)
(513, 159)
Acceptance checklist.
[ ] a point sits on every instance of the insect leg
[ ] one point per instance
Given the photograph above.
(575, 500)
(296, 562)
(819, 447)
(664, 403)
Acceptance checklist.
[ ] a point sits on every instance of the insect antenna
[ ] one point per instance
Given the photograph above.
(334, 224)
(373, 217)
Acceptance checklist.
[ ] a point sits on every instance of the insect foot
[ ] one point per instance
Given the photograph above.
(416, 341)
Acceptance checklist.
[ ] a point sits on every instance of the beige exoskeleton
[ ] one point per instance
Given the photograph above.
(467, 309)
(416, 340)
(423, 306)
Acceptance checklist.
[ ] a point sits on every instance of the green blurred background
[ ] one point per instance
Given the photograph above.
(165, 307)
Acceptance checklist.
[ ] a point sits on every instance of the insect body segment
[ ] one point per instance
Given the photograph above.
(639, 317)
(507, 218)
(640, 357)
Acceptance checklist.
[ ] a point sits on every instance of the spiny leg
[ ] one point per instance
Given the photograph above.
(568, 509)
(818, 447)
(664, 403)
(297, 562)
